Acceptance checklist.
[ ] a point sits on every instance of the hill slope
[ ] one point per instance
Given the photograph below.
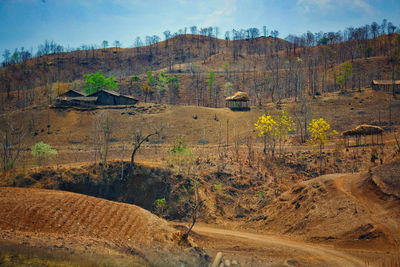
(52, 219)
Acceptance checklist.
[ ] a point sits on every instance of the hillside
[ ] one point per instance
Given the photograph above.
(66, 222)
(267, 68)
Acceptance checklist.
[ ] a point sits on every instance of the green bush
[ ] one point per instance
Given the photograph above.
(42, 152)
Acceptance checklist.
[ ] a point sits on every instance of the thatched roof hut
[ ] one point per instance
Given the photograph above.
(385, 82)
(363, 129)
(238, 96)
(388, 85)
(239, 101)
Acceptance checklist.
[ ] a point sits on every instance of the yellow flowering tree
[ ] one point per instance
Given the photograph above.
(320, 133)
(274, 130)
(269, 130)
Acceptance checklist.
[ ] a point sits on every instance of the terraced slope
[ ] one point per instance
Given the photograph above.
(79, 215)
(57, 221)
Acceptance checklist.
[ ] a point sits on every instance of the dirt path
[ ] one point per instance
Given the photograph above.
(352, 185)
(330, 256)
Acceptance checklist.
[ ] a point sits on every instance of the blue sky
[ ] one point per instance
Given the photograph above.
(72, 23)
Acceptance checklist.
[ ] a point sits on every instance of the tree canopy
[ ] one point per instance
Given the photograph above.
(96, 82)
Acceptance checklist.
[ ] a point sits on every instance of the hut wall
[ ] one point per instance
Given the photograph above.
(106, 99)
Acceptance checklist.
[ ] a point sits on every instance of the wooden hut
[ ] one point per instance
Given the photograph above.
(83, 101)
(361, 132)
(107, 97)
(72, 93)
(387, 85)
(239, 101)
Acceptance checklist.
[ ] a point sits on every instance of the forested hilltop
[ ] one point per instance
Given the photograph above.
(203, 69)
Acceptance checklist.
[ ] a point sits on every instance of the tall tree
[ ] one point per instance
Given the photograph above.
(210, 83)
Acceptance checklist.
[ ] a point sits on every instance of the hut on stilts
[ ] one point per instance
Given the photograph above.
(361, 132)
(239, 101)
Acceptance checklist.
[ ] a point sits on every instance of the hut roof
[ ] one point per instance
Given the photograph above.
(238, 96)
(385, 82)
(80, 98)
(130, 97)
(363, 130)
(106, 91)
(74, 91)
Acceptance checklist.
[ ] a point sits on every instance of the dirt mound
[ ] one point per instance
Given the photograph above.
(79, 218)
(387, 177)
(344, 209)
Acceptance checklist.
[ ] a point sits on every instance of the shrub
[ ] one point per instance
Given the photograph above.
(42, 152)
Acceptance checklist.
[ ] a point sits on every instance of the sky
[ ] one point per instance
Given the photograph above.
(72, 23)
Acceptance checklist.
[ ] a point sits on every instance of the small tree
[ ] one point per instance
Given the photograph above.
(344, 75)
(161, 206)
(183, 158)
(11, 140)
(320, 133)
(286, 125)
(269, 131)
(139, 138)
(162, 86)
(96, 81)
(210, 84)
(42, 152)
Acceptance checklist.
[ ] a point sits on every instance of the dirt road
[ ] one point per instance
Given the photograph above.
(306, 253)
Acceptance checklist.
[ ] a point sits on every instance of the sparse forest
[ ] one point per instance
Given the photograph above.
(244, 149)
(252, 60)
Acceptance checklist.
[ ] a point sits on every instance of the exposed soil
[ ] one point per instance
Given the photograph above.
(74, 223)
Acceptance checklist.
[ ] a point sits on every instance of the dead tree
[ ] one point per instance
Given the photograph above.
(11, 139)
(139, 138)
(195, 208)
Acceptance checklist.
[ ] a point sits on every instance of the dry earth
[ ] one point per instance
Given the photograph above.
(86, 226)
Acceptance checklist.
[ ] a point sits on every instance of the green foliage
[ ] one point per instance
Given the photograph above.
(210, 84)
(162, 84)
(161, 203)
(173, 82)
(368, 51)
(217, 187)
(179, 147)
(259, 194)
(96, 81)
(344, 74)
(161, 206)
(181, 156)
(211, 80)
(225, 66)
(42, 152)
(324, 40)
(135, 78)
(151, 79)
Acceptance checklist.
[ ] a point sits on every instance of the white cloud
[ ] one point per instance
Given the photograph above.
(222, 14)
(306, 6)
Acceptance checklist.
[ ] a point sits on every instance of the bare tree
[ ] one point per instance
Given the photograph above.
(11, 139)
(139, 138)
(103, 126)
